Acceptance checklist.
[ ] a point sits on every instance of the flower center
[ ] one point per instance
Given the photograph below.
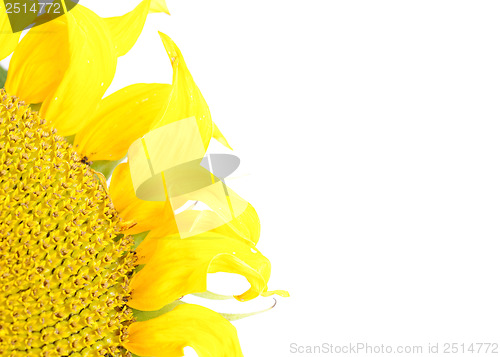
(64, 265)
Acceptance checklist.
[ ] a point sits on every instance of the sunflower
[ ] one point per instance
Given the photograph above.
(88, 270)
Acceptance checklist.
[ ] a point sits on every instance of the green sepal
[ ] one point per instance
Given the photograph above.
(138, 238)
(105, 167)
(234, 317)
(213, 296)
(3, 76)
(70, 139)
(35, 107)
(148, 315)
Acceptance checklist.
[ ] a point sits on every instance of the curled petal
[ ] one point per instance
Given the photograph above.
(207, 332)
(125, 29)
(121, 118)
(180, 266)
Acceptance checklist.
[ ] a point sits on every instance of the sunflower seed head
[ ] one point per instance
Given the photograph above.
(64, 265)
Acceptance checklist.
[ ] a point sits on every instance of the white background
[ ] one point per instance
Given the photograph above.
(370, 130)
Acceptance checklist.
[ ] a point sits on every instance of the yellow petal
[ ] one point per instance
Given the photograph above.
(158, 6)
(8, 40)
(92, 65)
(121, 118)
(243, 225)
(219, 137)
(125, 29)
(185, 99)
(180, 266)
(246, 226)
(208, 333)
(39, 62)
(149, 157)
(156, 217)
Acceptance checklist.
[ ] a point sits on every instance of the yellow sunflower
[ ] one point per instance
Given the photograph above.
(91, 272)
